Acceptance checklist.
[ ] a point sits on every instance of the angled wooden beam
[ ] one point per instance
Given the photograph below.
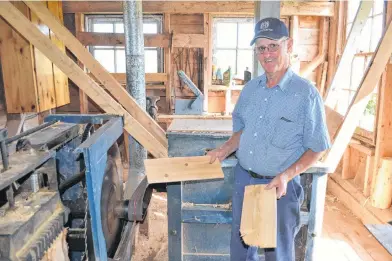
(110, 83)
(18, 21)
(188, 7)
(361, 99)
(182, 169)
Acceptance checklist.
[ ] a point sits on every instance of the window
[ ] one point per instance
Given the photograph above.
(113, 57)
(231, 45)
(370, 37)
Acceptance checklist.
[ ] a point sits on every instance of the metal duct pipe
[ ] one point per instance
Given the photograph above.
(134, 54)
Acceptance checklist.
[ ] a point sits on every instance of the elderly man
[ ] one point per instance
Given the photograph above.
(279, 131)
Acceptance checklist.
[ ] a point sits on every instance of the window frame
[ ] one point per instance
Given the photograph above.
(114, 19)
(230, 19)
(361, 133)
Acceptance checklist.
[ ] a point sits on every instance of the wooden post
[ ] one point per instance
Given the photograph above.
(168, 61)
(83, 100)
(346, 164)
(382, 194)
(207, 58)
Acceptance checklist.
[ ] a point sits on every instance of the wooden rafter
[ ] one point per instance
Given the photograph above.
(20, 23)
(288, 8)
(99, 72)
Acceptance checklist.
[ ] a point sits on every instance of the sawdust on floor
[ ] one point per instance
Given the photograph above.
(155, 246)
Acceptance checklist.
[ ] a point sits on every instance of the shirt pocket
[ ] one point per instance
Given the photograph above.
(287, 134)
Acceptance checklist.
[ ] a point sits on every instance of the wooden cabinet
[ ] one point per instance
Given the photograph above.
(32, 83)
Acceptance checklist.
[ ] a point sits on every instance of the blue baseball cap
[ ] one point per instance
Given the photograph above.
(270, 28)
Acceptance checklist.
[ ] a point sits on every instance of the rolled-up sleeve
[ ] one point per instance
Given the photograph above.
(316, 135)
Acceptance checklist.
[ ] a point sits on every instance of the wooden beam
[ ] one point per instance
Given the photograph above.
(259, 217)
(182, 169)
(382, 193)
(64, 63)
(167, 65)
(187, 7)
(207, 61)
(110, 83)
(353, 41)
(150, 77)
(369, 81)
(153, 40)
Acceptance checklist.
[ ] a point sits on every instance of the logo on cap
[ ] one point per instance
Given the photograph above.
(264, 26)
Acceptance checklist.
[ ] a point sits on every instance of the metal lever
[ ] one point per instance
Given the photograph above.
(186, 80)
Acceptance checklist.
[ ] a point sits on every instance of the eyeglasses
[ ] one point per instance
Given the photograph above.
(273, 47)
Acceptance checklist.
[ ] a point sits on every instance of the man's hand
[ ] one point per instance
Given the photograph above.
(219, 153)
(280, 183)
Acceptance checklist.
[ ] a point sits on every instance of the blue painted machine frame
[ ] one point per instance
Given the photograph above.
(94, 150)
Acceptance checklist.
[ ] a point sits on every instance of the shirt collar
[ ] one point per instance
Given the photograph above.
(284, 82)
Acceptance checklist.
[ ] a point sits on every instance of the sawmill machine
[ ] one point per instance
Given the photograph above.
(63, 179)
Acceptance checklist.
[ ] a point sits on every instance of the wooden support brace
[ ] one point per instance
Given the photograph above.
(110, 83)
(182, 169)
(79, 77)
(259, 217)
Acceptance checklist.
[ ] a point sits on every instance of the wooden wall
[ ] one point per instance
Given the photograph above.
(193, 60)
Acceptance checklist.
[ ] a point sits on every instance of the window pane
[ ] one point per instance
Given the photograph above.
(150, 28)
(151, 61)
(376, 32)
(226, 35)
(119, 28)
(103, 28)
(352, 10)
(378, 6)
(224, 59)
(106, 58)
(120, 61)
(364, 45)
(245, 59)
(245, 34)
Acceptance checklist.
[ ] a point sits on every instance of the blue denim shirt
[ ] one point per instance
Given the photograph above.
(279, 124)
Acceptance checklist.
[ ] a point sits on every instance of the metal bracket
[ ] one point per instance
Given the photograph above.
(189, 106)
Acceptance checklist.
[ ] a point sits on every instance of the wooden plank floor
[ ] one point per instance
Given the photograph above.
(345, 238)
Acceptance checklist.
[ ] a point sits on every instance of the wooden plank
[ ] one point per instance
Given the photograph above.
(83, 99)
(189, 40)
(201, 125)
(17, 59)
(309, 22)
(150, 77)
(259, 217)
(182, 169)
(207, 58)
(187, 7)
(156, 40)
(308, 36)
(369, 81)
(43, 71)
(382, 193)
(61, 87)
(307, 52)
(117, 39)
(346, 167)
(64, 63)
(186, 28)
(357, 202)
(167, 65)
(115, 88)
(189, 19)
(369, 173)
